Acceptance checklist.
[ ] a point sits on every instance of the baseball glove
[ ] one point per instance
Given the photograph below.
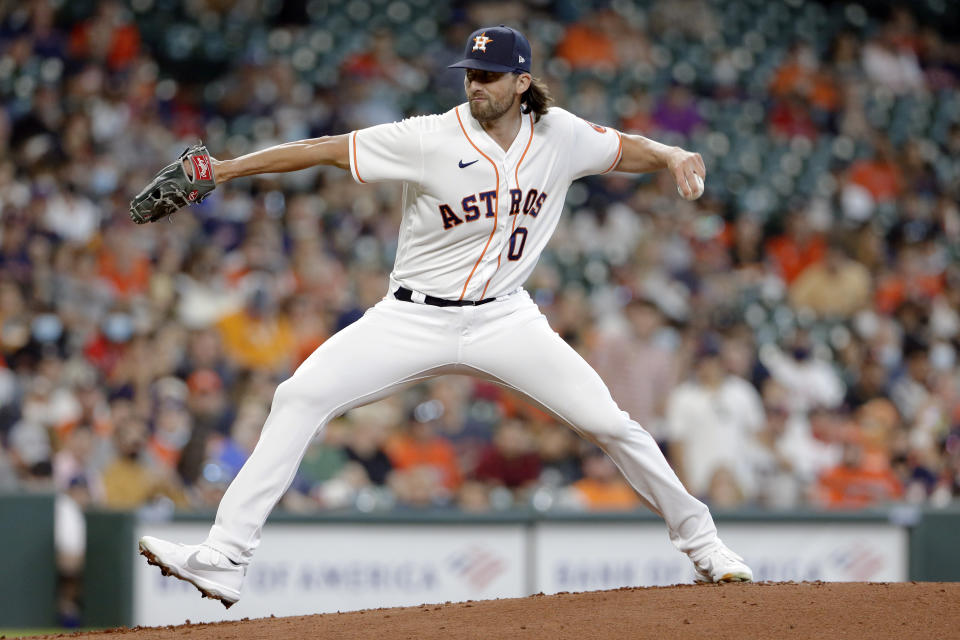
(174, 188)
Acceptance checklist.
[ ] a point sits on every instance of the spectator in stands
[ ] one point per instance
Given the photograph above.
(603, 487)
(70, 543)
(890, 62)
(510, 460)
(557, 448)
(207, 401)
(204, 351)
(473, 497)
(128, 481)
(880, 175)
(677, 112)
(797, 248)
(419, 445)
(872, 382)
(365, 446)
(123, 266)
(910, 390)
(641, 367)
(810, 379)
(325, 473)
(791, 117)
(259, 336)
(203, 294)
(227, 452)
(879, 430)
(912, 278)
(588, 44)
(837, 287)
(776, 453)
(851, 485)
(109, 36)
(710, 420)
(74, 460)
(422, 487)
(802, 75)
(172, 429)
(746, 244)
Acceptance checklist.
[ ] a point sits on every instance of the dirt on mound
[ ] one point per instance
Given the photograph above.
(735, 611)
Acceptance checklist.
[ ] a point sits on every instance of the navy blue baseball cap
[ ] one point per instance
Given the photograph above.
(501, 49)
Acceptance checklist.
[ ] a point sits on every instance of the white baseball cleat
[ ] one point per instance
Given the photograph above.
(215, 575)
(720, 564)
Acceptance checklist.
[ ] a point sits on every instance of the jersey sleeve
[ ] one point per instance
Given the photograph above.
(592, 149)
(386, 152)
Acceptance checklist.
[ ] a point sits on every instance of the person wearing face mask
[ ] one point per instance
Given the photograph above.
(810, 379)
(129, 482)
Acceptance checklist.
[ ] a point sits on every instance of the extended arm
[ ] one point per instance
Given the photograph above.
(643, 155)
(290, 156)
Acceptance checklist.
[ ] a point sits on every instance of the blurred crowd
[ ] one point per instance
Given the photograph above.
(790, 338)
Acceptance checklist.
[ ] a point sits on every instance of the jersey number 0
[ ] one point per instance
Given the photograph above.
(517, 241)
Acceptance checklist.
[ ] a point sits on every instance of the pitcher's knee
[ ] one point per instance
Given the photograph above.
(296, 393)
(610, 428)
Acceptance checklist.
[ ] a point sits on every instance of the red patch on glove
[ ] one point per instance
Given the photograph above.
(201, 167)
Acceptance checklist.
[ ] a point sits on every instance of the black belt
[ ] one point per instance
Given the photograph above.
(406, 295)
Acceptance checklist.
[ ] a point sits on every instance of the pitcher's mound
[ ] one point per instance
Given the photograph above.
(736, 611)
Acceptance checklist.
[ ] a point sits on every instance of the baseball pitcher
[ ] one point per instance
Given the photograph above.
(483, 189)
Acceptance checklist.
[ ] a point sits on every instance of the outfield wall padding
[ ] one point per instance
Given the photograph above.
(28, 573)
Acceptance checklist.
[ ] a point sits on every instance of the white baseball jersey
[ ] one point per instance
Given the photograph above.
(476, 217)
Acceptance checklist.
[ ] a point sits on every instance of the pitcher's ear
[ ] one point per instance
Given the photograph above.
(524, 80)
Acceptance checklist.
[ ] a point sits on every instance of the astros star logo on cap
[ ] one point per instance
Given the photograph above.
(480, 42)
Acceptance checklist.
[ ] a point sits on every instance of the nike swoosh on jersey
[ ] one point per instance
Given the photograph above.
(464, 166)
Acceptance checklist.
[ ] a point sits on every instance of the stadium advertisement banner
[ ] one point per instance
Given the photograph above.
(305, 569)
(585, 557)
(321, 568)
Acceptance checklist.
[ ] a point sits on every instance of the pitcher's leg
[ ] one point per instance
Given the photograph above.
(530, 357)
(394, 344)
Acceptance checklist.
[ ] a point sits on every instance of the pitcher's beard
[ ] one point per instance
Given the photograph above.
(491, 109)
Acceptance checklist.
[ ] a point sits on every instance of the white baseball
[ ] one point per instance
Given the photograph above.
(697, 192)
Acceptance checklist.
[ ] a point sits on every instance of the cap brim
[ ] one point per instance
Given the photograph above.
(482, 65)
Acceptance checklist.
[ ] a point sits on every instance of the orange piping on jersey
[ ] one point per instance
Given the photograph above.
(619, 151)
(496, 210)
(356, 162)
(494, 273)
(513, 226)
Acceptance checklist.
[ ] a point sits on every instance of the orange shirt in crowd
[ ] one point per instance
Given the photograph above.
(882, 179)
(258, 343)
(121, 47)
(406, 453)
(792, 258)
(817, 87)
(846, 487)
(894, 289)
(607, 496)
(584, 48)
(126, 279)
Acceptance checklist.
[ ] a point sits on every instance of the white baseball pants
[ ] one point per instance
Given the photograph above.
(399, 343)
